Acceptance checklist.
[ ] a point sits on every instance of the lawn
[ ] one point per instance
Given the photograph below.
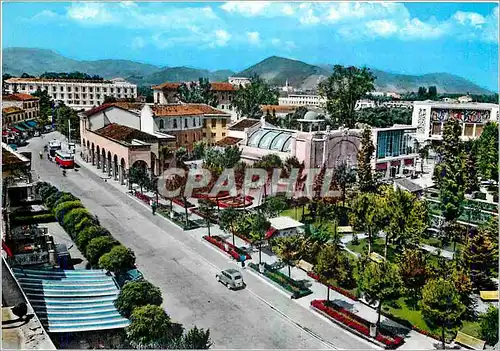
(436, 242)
(472, 328)
(377, 246)
(295, 213)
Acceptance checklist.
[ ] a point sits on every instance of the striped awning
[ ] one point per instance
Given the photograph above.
(19, 128)
(31, 123)
(15, 130)
(26, 125)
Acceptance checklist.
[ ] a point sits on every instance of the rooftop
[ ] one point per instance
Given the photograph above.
(216, 86)
(457, 106)
(284, 222)
(408, 185)
(174, 110)
(228, 141)
(124, 134)
(129, 106)
(167, 86)
(278, 108)
(11, 157)
(244, 123)
(62, 80)
(11, 109)
(19, 97)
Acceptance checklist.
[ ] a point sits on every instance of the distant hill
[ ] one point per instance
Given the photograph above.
(276, 70)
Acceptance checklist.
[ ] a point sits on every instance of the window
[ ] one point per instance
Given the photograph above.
(77, 96)
(185, 123)
(213, 135)
(91, 102)
(104, 90)
(222, 106)
(204, 123)
(70, 96)
(69, 89)
(84, 102)
(53, 89)
(31, 87)
(223, 123)
(175, 123)
(223, 134)
(436, 129)
(90, 90)
(91, 96)
(162, 124)
(111, 90)
(479, 130)
(54, 96)
(214, 123)
(97, 89)
(118, 90)
(98, 96)
(84, 96)
(185, 137)
(204, 135)
(61, 88)
(468, 130)
(76, 89)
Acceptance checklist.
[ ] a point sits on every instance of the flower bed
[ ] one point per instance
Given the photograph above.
(335, 288)
(296, 288)
(232, 250)
(356, 323)
(143, 197)
(243, 237)
(181, 203)
(213, 219)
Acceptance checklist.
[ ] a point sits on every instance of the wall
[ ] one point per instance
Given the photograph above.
(114, 115)
(220, 129)
(147, 123)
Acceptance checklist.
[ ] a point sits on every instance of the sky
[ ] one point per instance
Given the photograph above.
(409, 38)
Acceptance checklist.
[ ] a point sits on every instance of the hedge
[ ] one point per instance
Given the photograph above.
(98, 247)
(25, 220)
(65, 207)
(84, 237)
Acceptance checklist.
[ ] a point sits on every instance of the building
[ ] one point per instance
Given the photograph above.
(75, 93)
(239, 81)
(167, 93)
(302, 100)
(112, 140)
(284, 226)
(12, 115)
(279, 111)
(364, 103)
(464, 99)
(429, 118)
(189, 123)
(29, 104)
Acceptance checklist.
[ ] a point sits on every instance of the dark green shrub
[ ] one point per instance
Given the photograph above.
(47, 191)
(480, 195)
(25, 220)
(118, 260)
(64, 207)
(98, 247)
(85, 236)
(84, 223)
(64, 197)
(72, 218)
(136, 294)
(51, 199)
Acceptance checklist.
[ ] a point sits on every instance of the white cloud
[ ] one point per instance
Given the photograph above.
(275, 41)
(253, 37)
(90, 11)
(45, 15)
(383, 28)
(469, 18)
(246, 8)
(221, 38)
(138, 43)
(309, 18)
(288, 9)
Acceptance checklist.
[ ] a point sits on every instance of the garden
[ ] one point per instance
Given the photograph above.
(234, 251)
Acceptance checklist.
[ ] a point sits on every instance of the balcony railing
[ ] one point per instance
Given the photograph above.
(28, 259)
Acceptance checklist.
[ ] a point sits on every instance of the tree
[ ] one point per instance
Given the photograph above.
(85, 236)
(449, 174)
(487, 152)
(342, 90)
(367, 214)
(432, 93)
(139, 175)
(98, 247)
(480, 256)
(249, 98)
(64, 207)
(422, 93)
(344, 176)
(64, 116)
(489, 325)
(274, 205)
(260, 226)
(151, 327)
(207, 209)
(288, 249)
(135, 294)
(380, 282)
(471, 180)
(46, 106)
(200, 92)
(118, 260)
(328, 265)
(199, 149)
(383, 117)
(414, 273)
(181, 154)
(365, 155)
(291, 119)
(441, 305)
(227, 220)
(196, 339)
(423, 152)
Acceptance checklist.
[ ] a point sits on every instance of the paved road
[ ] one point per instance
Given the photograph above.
(184, 269)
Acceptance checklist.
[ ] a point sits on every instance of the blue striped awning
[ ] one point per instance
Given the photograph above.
(20, 127)
(31, 123)
(26, 125)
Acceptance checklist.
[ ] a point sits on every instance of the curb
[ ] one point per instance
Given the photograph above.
(342, 325)
(270, 282)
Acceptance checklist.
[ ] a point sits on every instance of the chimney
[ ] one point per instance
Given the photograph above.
(262, 121)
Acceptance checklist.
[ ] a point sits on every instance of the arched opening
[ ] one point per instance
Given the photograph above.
(98, 152)
(92, 154)
(123, 170)
(108, 167)
(115, 167)
(103, 156)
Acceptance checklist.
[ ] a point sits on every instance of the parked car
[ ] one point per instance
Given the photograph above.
(231, 278)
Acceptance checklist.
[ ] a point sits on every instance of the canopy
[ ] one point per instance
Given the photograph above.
(19, 128)
(15, 130)
(32, 123)
(26, 125)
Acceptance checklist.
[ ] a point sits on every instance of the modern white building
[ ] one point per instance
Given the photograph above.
(243, 81)
(364, 103)
(302, 100)
(429, 118)
(75, 93)
(284, 226)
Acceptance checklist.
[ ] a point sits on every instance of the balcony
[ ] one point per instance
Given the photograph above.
(26, 259)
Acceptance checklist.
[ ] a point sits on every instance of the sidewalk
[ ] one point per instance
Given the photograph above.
(413, 339)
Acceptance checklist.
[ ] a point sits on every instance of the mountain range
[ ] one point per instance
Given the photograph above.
(275, 70)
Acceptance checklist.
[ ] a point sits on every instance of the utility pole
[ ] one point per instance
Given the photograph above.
(69, 131)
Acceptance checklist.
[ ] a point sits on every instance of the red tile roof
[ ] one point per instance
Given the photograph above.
(175, 110)
(11, 109)
(228, 141)
(19, 97)
(125, 134)
(244, 123)
(216, 86)
(278, 108)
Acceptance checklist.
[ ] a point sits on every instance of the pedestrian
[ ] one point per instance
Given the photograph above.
(153, 207)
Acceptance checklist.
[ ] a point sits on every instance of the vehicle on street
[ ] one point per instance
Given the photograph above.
(65, 160)
(71, 148)
(54, 145)
(231, 278)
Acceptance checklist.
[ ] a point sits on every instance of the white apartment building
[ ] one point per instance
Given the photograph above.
(237, 81)
(302, 100)
(75, 93)
(429, 118)
(364, 103)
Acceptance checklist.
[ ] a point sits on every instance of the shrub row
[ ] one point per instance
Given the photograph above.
(93, 241)
(35, 219)
(333, 287)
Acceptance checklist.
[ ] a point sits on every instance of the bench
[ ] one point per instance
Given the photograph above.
(469, 341)
(305, 266)
(489, 295)
(376, 257)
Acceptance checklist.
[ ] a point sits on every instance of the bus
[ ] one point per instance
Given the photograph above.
(64, 159)
(54, 145)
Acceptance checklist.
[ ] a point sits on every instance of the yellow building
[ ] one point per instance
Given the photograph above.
(214, 128)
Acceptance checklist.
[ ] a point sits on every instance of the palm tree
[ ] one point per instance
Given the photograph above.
(206, 208)
(227, 220)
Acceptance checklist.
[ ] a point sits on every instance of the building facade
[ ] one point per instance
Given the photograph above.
(429, 117)
(75, 93)
(30, 105)
(302, 100)
(237, 81)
